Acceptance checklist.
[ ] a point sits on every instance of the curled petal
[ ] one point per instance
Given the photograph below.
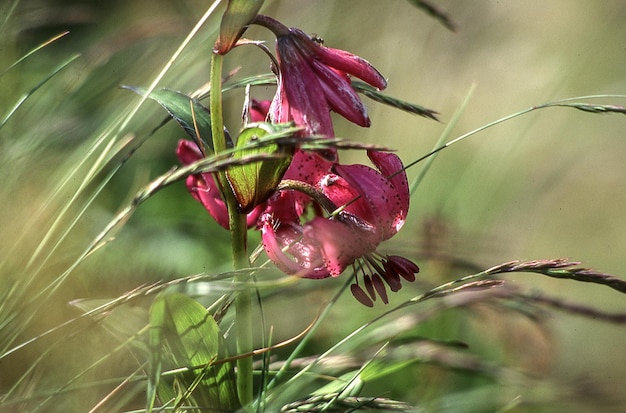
(259, 110)
(352, 64)
(341, 60)
(387, 198)
(304, 259)
(340, 95)
(340, 244)
(391, 166)
(308, 167)
(203, 188)
(307, 106)
(341, 193)
(188, 152)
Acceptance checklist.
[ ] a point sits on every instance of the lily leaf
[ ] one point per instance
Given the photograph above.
(188, 112)
(255, 182)
(185, 331)
(238, 14)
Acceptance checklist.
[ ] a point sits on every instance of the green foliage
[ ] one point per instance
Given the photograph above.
(183, 334)
(190, 114)
(73, 149)
(238, 14)
(255, 182)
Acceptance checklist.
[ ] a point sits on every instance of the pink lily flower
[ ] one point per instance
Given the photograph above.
(306, 166)
(375, 205)
(313, 79)
(203, 188)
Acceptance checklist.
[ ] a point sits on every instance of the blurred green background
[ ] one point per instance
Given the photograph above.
(549, 184)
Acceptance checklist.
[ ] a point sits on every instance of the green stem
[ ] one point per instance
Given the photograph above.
(238, 236)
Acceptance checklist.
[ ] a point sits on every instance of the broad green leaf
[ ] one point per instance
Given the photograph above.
(255, 182)
(238, 14)
(186, 111)
(193, 339)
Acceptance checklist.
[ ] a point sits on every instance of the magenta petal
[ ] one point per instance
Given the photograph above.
(387, 202)
(352, 64)
(304, 261)
(341, 97)
(342, 60)
(188, 152)
(259, 110)
(274, 249)
(391, 166)
(308, 167)
(292, 250)
(341, 193)
(340, 244)
(203, 188)
(307, 106)
(374, 190)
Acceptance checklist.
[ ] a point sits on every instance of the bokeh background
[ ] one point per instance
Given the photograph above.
(548, 184)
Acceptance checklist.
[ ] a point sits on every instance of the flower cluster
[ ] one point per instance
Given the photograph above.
(333, 216)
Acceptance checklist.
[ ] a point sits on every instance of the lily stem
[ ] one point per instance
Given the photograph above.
(238, 234)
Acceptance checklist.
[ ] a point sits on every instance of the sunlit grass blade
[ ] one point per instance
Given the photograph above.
(35, 88)
(62, 389)
(266, 79)
(442, 139)
(34, 50)
(589, 108)
(8, 14)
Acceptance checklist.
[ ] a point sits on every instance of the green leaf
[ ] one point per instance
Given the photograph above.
(190, 114)
(192, 338)
(238, 14)
(255, 182)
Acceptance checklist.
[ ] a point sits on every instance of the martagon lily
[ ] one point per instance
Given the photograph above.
(313, 80)
(373, 207)
(203, 188)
